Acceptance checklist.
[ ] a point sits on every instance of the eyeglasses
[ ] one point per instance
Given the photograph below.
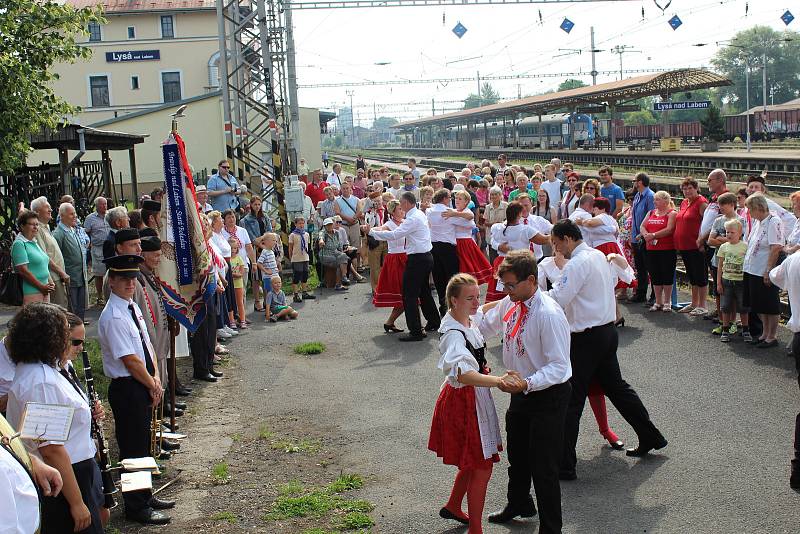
(76, 342)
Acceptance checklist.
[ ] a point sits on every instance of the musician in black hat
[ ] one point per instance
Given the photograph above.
(151, 214)
(126, 241)
(128, 359)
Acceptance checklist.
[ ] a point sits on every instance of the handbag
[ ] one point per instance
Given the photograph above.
(10, 283)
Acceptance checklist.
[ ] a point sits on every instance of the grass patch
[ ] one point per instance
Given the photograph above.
(313, 281)
(101, 381)
(265, 433)
(293, 446)
(346, 483)
(354, 520)
(228, 517)
(236, 437)
(292, 487)
(312, 347)
(220, 473)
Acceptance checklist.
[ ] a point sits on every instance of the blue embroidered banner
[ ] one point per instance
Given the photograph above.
(176, 204)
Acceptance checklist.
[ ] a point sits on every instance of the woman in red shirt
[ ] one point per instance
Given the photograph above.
(657, 230)
(687, 232)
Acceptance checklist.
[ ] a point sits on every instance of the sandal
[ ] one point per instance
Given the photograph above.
(655, 307)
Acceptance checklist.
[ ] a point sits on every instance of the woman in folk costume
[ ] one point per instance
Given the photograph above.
(470, 258)
(465, 431)
(389, 291)
(506, 237)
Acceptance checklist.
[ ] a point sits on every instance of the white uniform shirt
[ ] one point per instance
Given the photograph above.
(395, 246)
(19, 513)
(37, 382)
(540, 349)
(787, 276)
(586, 288)
(763, 235)
(396, 192)
(243, 238)
(548, 270)
(541, 225)
(414, 229)
(517, 236)
(7, 369)
(605, 233)
(442, 230)
(582, 214)
(119, 336)
(456, 359)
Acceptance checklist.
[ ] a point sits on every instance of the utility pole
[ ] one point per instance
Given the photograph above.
(764, 78)
(480, 101)
(623, 49)
(433, 106)
(747, 100)
(594, 51)
(352, 118)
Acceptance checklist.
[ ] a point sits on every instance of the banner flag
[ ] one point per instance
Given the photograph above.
(185, 261)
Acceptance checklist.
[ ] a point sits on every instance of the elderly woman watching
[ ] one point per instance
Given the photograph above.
(31, 262)
(764, 246)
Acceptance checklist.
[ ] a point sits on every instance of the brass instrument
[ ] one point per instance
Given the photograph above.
(156, 435)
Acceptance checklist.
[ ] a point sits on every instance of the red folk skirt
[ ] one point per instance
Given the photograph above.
(612, 247)
(492, 294)
(455, 436)
(389, 291)
(472, 261)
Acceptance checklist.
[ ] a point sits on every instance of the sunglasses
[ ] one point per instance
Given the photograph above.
(224, 167)
(76, 342)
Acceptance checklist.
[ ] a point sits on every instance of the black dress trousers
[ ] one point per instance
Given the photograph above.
(535, 432)
(445, 265)
(416, 289)
(593, 354)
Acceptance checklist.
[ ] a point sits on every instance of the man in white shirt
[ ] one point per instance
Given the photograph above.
(583, 211)
(586, 293)
(551, 184)
(443, 241)
(787, 276)
(536, 343)
(542, 225)
(395, 186)
(202, 198)
(412, 168)
(502, 160)
(414, 229)
(334, 178)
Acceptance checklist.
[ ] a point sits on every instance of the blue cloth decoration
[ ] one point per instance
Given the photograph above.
(567, 25)
(675, 22)
(302, 234)
(459, 29)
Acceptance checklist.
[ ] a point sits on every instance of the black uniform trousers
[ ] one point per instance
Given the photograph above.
(796, 459)
(56, 517)
(204, 340)
(416, 289)
(130, 403)
(642, 278)
(535, 432)
(445, 265)
(593, 354)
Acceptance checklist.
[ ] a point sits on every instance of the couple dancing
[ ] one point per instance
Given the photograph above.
(554, 344)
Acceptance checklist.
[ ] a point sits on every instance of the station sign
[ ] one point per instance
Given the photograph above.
(624, 108)
(133, 55)
(667, 106)
(592, 109)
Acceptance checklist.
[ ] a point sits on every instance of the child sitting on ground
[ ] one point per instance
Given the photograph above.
(730, 259)
(237, 271)
(298, 255)
(276, 302)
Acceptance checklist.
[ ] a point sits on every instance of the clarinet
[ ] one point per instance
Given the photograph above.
(109, 489)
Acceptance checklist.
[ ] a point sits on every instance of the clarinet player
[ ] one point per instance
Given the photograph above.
(40, 343)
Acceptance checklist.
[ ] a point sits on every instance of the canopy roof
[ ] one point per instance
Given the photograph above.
(66, 137)
(664, 83)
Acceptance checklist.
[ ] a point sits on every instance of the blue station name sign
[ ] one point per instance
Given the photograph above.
(133, 55)
(666, 106)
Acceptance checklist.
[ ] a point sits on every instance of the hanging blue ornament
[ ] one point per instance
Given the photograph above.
(459, 29)
(787, 17)
(567, 25)
(675, 22)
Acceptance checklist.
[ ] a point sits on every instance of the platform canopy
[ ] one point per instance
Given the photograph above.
(610, 93)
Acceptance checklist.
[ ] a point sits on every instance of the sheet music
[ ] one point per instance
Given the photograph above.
(146, 463)
(140, 480)
(46, 422)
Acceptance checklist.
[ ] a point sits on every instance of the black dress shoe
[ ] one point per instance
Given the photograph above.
(148, 516)
(567, 475)
(161, 504)
(168, 411)
(413, 337)
(183, 391)
(444, 513)
(431, 327)
(164, 455)
(617, 445)
(644, 448)
(207, 378)
(168, 428)
(217, 374)
(170, 445)
(509, 512)
(180, 405)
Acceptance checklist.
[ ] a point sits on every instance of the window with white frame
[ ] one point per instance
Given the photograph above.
(99, 91)
(171, 86)
(167, 26)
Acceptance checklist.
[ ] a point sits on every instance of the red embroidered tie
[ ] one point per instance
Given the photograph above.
(530, 244)
(523, 311)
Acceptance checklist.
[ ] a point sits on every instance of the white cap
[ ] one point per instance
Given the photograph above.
(327, 221)
(199, 188)
(458, 187)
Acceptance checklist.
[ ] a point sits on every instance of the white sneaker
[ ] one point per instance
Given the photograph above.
(222, 333)
(686, 309)
(230, 331)
(697, 312)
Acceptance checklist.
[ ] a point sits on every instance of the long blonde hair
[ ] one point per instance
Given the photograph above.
(454, 287)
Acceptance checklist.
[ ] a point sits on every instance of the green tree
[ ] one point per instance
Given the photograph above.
(748, 47)
(713, 125)
(488, 96)
(636, 118)
(35, 35)
(382, 124)
(570, 83)
(338, 141)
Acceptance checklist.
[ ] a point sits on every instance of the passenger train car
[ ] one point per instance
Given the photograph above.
(550, 131)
